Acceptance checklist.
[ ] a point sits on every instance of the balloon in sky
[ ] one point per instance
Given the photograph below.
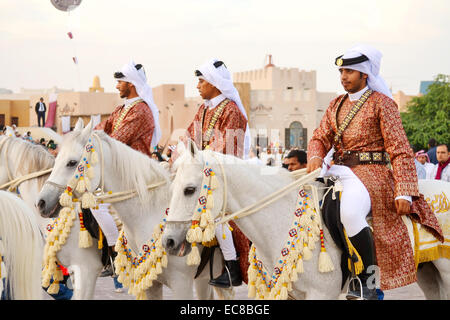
(65, 5)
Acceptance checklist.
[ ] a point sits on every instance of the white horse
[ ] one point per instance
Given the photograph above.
(20, 250)
(19, 158)
(126, 169)
(267, 227)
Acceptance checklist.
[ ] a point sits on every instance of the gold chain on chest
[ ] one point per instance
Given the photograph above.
(124, 113)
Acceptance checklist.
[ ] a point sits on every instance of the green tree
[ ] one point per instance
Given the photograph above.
(428, 116)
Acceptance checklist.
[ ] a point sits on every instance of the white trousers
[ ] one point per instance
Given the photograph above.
(106, 223)
(355, 199)
(227, 244)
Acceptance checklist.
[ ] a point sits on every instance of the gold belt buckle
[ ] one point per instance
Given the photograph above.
(377, 156)
(365, 156)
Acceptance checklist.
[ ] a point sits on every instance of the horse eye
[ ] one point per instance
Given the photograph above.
(189, 190)
(72, 163)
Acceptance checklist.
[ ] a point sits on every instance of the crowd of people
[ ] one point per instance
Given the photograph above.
(49, 145)
(433, 163)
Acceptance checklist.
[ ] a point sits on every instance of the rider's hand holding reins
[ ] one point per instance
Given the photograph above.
(313, 164)
(403, 206)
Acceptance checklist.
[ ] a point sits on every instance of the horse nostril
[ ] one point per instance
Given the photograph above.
(170, 243)
(41, 204)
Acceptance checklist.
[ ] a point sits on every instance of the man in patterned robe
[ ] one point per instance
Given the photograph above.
(221, 125)
(135, 123)
(368, 184)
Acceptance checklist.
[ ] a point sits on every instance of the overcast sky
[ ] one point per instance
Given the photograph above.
(172, 38)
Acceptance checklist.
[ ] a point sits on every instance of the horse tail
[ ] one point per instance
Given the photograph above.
(21, 249)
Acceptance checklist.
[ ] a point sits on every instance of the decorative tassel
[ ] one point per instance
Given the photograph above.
(88, 200)
(100, 239)
(325, 263)
(81, 186)
(158, 266)
(359, 267)
(307, 254)
(66, 198)
(294, 276)
(164, 260)
(213, 182)
(54, 288)
(193, 258)
(210, 201)
(209, 233)
(89, 171)
(190, 235)
(284, 292)
(251, 289)
(311, 243)
(94, 157)
(85, 239)
(141, 296)
(87, 183)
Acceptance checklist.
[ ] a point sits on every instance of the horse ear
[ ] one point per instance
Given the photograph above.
(181, 148)
(192, 148)
(88, 129)
(80, 125)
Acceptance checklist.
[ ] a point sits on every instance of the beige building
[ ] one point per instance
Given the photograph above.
(285, 106)
(14, 110)
(402, 100)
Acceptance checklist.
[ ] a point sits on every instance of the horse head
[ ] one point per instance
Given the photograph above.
(188, 188)
(68, 162)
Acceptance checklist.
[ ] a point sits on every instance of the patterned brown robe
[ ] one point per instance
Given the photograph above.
(378, 127)
(136, 128)
(229, 130)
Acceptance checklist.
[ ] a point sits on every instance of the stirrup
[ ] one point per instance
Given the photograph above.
(352, 297)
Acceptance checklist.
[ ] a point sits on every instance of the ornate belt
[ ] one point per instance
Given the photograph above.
(354, 158)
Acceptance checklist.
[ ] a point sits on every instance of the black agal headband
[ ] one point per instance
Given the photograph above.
(120, 75)
(216, 64)
(340, 62)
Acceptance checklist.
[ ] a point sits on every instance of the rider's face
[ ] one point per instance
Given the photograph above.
(124, 88)
(352, 80)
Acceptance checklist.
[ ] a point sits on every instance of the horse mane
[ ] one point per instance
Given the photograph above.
(135, 169)
(31, 158)
(21, 247)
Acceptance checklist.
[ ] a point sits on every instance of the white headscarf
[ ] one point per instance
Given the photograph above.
(221, 79)
(370, 67)
(139, 79)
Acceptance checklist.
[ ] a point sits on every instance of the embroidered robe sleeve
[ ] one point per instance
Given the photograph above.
(397, 145)
(322, 138)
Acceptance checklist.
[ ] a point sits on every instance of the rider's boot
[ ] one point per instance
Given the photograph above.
(231, 275)
(364, 244)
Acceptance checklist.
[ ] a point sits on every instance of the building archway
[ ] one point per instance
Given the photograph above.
(295, 136)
